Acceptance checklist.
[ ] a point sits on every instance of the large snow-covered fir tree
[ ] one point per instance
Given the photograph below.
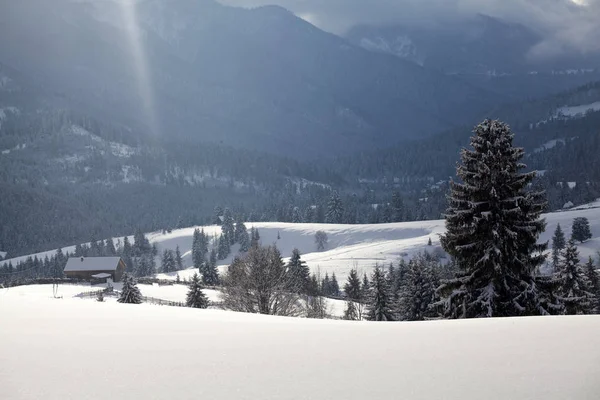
(195, 296)
(130, 293)
(573, 285)
(335, 209)
(558, 244)
(379, 302)
(493, 225)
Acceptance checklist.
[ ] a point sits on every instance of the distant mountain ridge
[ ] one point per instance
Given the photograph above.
(260, 78)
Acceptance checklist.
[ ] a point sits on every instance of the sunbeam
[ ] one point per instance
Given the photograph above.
(140, 62)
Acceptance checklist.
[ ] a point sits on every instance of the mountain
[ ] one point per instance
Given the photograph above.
(259, 78)
(488, 52)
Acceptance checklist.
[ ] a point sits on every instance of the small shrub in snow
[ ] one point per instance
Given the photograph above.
(321, 240)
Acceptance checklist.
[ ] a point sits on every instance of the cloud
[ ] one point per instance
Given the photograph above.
(565, 25)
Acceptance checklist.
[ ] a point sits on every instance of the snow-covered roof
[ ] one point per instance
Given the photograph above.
(101, 275)
(92, 264)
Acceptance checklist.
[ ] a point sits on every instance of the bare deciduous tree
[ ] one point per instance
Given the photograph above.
(260, 282)
(321, 240)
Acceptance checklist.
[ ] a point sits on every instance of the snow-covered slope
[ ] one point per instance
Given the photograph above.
(82, 349)
(358, 246)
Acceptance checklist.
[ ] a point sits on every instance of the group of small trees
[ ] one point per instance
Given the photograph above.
(575, 286)
(403, 293)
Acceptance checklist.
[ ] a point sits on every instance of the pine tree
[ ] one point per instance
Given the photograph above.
(217, 215)
(168, 261)
(379, 302)
(581, 229)
(558, 244)
(429, 242)
(195, 296)
(178, 260)
(127, 254)
(334, 287)
(198, 256)
(240, 232)
(110, 248)
(228, 227)
(397, 207)
(573, 288)
(130, 293)
(492, 229)
(210, 274)
(351, 313)
(299, 271)
(212, 261)
(326, 285)
(296, 215)
(335, 209)
(254, 237)
(594, 284)
(223, 248)
(352, 286)
(244, 241)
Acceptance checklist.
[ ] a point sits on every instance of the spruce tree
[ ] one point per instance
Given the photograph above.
(558, 244)
(130, 293)
(228, 227)
(240, 232)
(110, 248)
(210, 274)
(299, 271)
(178, 259)
(350, 312)
(199, 248)
(296, 215)
(397, 207)
(493, 225)
(352, 286)
(195, 296)
(581, 229)
(573, 288)
(127, 254)
(594, 284)
(223, 248)
(168, 261)
(334, 286)
(244, 241)
(326, 285)
(335, 209)
(379, 302)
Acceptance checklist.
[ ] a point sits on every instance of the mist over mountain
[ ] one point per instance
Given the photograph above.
(111, 110)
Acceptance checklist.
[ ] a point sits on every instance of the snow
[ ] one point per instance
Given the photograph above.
(576, 111)
(571, 185)
(83, 349)
(352, 246)
(549, 145)
(2, 254)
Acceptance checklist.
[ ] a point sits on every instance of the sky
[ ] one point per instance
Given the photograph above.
(565, 25)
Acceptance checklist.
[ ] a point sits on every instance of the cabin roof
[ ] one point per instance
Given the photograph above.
(92, 264)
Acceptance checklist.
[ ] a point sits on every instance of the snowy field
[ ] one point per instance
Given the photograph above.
(82, 349)
(358, 246)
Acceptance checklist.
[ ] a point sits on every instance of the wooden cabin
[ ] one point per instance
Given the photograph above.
(87, 267)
